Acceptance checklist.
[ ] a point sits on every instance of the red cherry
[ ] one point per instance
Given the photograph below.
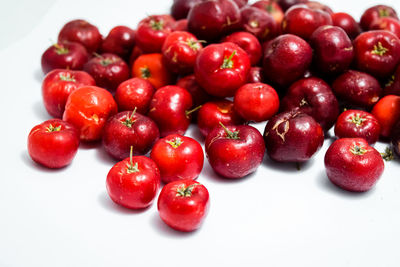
(133, 183)
(64, 56)
(353, 165)
(82, 32)
(53, 143)
(119, 41)
(234, 151)
(58, 85)
(129, 129)
(178, 157)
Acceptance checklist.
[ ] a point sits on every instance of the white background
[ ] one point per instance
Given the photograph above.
(277, 217)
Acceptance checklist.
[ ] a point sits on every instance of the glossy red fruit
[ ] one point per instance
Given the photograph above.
(256, 102)
(169, 108)
(259, 22)
(133, 183)
(64, 56)
(58, 85)
(119, 41)
(374, 13)
(108, 70)
(180, 50)
(377, 52)
(389, 24)
(178, 157)
(183, 205)
(387, 112)
(249, 43)
(286, 58)
(234, 151)
(347, 23)
(314, 97)
(392, 86)
(152, 31)
(181, 8)
(272, 7)
(286, 4)
(199, 95)
(129, 129)
(82, 32)
(53, 143)
(222, 68)
(88, 109)
(302, 20)
(211, 114)
(210, 20)
(353, 165)
(333, 50)
(255, 75)
(292, 136)
(357, 89)
(152, 68)
(134, 93)
(358, 124)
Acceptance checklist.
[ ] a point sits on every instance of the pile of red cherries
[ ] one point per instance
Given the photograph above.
(222, 64)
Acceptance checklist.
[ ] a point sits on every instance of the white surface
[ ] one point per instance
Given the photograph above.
(276, 217)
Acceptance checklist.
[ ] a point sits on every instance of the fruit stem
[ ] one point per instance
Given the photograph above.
(157, 25)
(51, 128)
(188, 112)
(358, 150)
(132, 168)
(228, 62)
(230, 134)
(145, 72)
(379, 49)
(357, 120)
(388, 154)
(176, 142)
(130, 121)
(383, 12)
(183, 191)
(67, 78)
(60, 49)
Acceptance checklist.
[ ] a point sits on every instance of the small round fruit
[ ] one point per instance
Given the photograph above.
(169, 108)
(375, 13)
(181, 8)
(178, 157)
(88, 109)
(387, 112)
(314, 97)
(377, 52)
(134, 93)
(286, 59)
(119, 41)
(129, 129)
(333, 50)
(82, 32)
(357, 88)
(183, 205)
(152, 68)
(292, 136)
(53, 143)
(222, 68)
(108, 70)
(234, 151)
(388, 24)
(358, 124)
(353, 165)
(133, 183)
(64, 56)
(258, 22)
(347, 23)
(256, 102)
(58, 85)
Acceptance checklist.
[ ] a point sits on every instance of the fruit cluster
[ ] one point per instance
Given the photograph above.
(222, 64)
